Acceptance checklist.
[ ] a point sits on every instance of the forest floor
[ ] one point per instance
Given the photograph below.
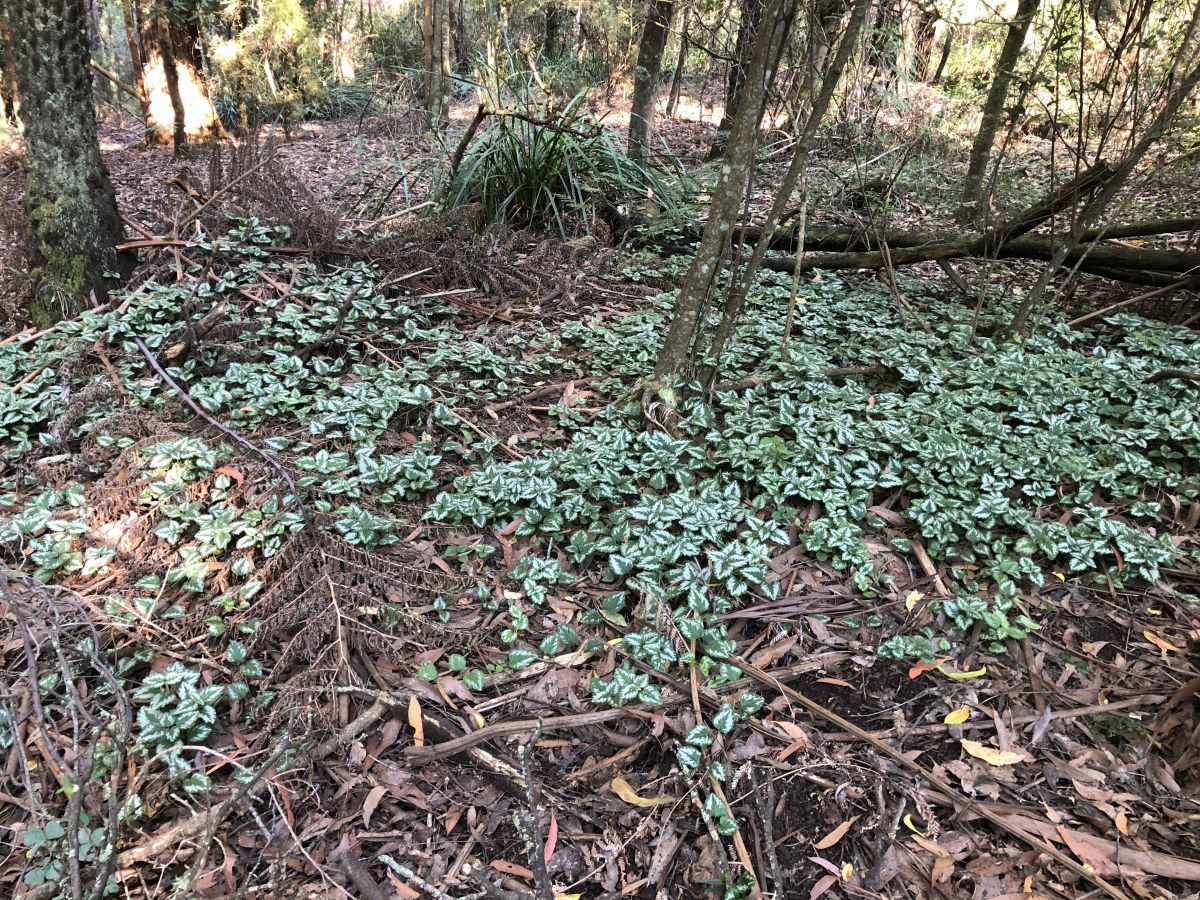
(983, 556)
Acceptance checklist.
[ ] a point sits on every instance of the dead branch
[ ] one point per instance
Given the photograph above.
(1176, 374)
(419, 756)
(225, 430)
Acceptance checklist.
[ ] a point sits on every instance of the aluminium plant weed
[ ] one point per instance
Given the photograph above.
(1007, 460)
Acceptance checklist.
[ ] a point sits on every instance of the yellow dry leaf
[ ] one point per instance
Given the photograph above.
(943, 866)
(415, 721)
(912, 600)
(958, 716)
(991, 755)
(1122, 822)
(847, 871)
(911, 826)
(1060, 576)
(558, 896)
(480, 721)
(962, 676)
(622, 789)
(836, 835)
(1164, 646)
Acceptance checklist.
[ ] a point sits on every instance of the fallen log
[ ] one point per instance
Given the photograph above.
(845, 239)
(1137, 264)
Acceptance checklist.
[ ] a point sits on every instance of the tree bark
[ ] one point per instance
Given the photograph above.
(736, 297)
(438, 74)
(752, 11)
(1109, 260)
(973, 201)
(72, 210)
(680, 64)
(462, 57)
(201, 120)
(551, 43)
(674, 356)
(647, 74)
(1179, 89)
(176, 96)
(9, 91)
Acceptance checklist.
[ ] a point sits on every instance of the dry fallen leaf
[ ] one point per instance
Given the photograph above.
(622, 789)
(372, 801)
(912, 600)
(1163, 645)
(836, 835)
(847, 871)
(921, 667)
(232, 473)
(958, 716)
(504, 867)
(415, 721)
(826, 882)
(992, 756)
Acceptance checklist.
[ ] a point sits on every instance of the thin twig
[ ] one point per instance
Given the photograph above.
(224, 429)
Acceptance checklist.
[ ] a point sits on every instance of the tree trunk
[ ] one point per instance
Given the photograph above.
(675, 355)
(129, 16)
(973, 201)
(1180, 91)
(438, 74)
(133, 40)
(680, 64)
(551, 46)
(8, 55)
(73, 220)
(752, 11)
(171, 77)
(165, 102)
(201, 121)
(462, 56)
(646, 75)
(735, 299)
(947, 46)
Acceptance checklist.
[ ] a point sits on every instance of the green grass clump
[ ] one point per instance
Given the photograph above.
(557, 171)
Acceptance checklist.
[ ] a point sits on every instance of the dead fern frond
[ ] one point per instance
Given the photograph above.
(326, 593)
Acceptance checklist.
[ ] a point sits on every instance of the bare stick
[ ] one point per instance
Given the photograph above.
(225, 430)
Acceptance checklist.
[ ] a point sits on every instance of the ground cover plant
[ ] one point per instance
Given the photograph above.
(901, 458)
(552, 451)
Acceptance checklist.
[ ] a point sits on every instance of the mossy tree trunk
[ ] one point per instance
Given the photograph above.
(72, 210)
(973, 200)
(647, 74)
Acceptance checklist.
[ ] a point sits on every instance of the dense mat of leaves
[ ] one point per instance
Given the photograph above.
(1056, 454)
(873, 443)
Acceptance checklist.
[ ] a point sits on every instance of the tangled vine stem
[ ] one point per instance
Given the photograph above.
(226, 430)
